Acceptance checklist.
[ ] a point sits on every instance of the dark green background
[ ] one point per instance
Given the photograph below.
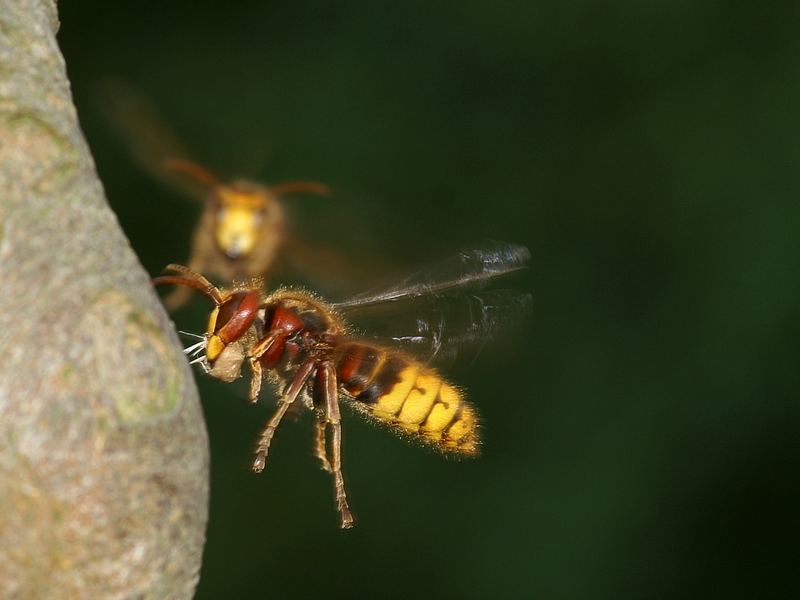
(641, 439)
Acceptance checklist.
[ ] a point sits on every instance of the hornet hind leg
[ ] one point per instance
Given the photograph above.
(320, 442)
(329, 388)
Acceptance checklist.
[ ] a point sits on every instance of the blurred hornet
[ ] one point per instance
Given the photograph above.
(307, 349)
(242, 226)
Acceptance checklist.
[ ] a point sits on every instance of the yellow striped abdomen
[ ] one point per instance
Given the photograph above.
(410, 397)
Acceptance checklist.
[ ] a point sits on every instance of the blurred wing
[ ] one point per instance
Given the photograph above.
(472, 268)
(328, 269)
(152, 144)
(445, 312)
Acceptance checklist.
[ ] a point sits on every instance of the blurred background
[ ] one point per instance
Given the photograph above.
(641, 431)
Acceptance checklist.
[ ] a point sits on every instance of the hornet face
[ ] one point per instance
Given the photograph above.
(240, 220)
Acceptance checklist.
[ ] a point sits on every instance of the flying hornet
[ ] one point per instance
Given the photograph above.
(242, 228)
(307, 348)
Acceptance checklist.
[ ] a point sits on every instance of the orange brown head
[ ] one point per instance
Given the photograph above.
(243, 214)
(233, 314)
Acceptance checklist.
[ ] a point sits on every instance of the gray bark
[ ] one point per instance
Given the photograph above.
(103, 449)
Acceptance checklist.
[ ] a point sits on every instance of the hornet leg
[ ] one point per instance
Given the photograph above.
(300, 378)
(320, 443)
(331, 394)
(254, 354)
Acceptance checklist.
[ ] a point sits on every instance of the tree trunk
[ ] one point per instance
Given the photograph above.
(103, 449)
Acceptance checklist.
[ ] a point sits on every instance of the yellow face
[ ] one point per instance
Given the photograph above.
(224, 360)
(214, 345)
(241, 220)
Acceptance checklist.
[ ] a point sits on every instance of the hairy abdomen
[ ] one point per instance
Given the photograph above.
(409, 396)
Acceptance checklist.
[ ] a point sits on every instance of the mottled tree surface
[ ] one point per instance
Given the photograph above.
(103, 450)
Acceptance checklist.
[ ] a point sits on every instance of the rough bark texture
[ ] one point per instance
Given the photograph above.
(103, 450)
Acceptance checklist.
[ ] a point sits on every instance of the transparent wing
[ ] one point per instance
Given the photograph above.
(444, 329)
(151, 143)
(446, 312)
(472, 268)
